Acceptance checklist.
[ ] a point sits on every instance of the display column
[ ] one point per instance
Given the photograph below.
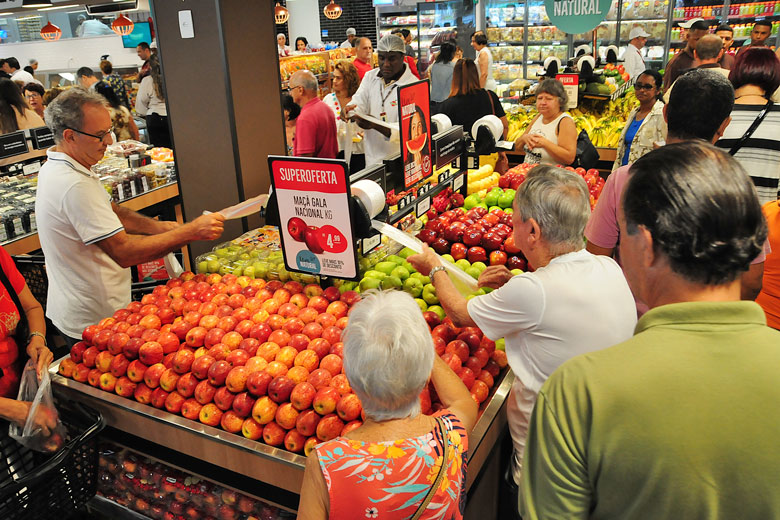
(224, 103)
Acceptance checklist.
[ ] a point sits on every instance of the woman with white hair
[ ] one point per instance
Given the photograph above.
(399, 463)
(281, 45)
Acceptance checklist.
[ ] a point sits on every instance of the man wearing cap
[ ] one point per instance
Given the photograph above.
(377, 97)
(633, 61)
(684, 59)
(759, 35)
(349, 42)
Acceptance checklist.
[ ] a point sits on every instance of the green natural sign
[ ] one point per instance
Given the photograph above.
(577, 16)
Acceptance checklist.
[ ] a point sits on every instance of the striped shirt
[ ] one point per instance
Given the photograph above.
(760, 155)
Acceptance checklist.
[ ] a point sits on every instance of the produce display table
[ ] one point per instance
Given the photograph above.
(164, 194)
(277, 467)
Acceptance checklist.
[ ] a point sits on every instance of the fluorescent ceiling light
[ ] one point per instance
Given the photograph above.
(59, 7)
(27, 18)
(35, 4)
(6, 14)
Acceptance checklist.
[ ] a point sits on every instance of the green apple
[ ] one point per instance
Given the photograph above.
(409, 267)
(374, 274)
(491, 199)
(509, 210)
(479, 292)
(225, 269)
(429, 294)
(471, 201)
(222, 252)
(438, 310)
(470, 296)
(249, 271)
(364, 264)
(213, 266)
(500, 344)
(448, 257)
(369, 283)
(385, 267)
(479, 265)
(490, 210)
(392, 282)
(413, 286)
(515, 272)
(506, 199)
(203, 266)
(400, 272)
(395, 258)
(463, 264)
(238, 270)
(283, 274)
(422, 304)
(486, 289)
(261, 269)
(473, 272)
(424, 279)
(406, 252)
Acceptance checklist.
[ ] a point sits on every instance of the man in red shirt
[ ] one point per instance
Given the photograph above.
(315, 127)
(364, 57)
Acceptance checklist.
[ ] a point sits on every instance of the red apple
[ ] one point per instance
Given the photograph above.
(273, 434)
(332, 363)
(320, 378)
(294, 441)
(169, 380)
(182, 361)
(348, 407)
(251, 429)
(302, 395)
(159, 396)
(236, 379)
(204, 392)
(210, 415)
(124, 387)
(264, 410)
(280, 388)
(286, 415)
(200, 366)
(153, 374)
(186, 385)
(325, 400)
(243, 403)
(477, 254)
(257, 383)
(150, 353)
(329, 427)
(341, 384)
(218, 372)
(223, 398)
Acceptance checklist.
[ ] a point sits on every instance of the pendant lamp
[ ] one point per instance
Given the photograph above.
(332, 10)
(122, 25)
(281, 14)
(51, 32)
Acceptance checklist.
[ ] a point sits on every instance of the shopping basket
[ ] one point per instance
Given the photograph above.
(41, 486)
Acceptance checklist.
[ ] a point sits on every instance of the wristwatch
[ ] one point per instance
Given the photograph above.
(436, 270)
(39, 334)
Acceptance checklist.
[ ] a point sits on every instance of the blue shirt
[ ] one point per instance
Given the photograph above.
(633, 128)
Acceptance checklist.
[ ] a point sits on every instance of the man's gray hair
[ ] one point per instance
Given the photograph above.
(388, 356)
(305, 79)
(559, 201)
(66, 111)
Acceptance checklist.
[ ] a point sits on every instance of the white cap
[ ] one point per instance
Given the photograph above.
(391, 43)
(687, 24)
(351, 31)
(637, 32)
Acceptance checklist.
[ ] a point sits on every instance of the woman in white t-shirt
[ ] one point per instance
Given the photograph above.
(551, 138)
(345, 83)
(484, 61)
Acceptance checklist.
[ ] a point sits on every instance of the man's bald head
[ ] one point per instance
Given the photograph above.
(709, 47)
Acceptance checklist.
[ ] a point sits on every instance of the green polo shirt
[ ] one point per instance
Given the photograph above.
(681, 421)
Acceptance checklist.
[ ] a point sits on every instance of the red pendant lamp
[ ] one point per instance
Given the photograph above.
(51, 32)
(332, 10)
(281, 14)
(122, 25)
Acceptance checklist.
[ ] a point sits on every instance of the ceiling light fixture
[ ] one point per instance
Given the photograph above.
(332, 10)
(122, 25)
(36, 4)
(281, 14)
(51, 32)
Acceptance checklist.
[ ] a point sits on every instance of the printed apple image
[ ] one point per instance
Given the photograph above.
(312, 240)
(296, 227)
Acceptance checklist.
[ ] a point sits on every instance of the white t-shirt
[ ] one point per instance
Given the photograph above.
(346, 44)
(73, 212)
(540, 155)
(146, 101)
(373, 98)
(578, 303)
(23, 75)
(490, 83)
(633, 61)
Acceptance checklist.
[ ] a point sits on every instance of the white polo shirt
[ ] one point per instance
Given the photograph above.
(374, 98)
(578, 303)
(73, 212)
(26, 77)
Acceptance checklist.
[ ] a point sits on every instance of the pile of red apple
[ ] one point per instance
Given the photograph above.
(515, 176)
(261, 359)
(476, 235)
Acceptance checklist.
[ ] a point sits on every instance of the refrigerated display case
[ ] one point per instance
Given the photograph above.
(447, 20)
(653, 17)
(505, 31)
(389, 21)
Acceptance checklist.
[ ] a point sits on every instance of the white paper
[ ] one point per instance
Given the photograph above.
(243, 209)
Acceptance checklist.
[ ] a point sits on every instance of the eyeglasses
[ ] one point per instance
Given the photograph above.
(32, 95)
(643, 86)
(99, 137)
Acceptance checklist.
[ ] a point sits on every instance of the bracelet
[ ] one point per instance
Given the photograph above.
(436, 270)
(39, 334)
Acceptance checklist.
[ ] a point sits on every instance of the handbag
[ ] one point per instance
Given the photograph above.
(742, 140)
(502, 164)
(442, 470)
(587, 156)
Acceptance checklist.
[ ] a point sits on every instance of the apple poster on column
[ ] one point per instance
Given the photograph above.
(414, 104)
(314, 215)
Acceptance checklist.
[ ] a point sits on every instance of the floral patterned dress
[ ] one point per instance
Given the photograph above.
(389, 480)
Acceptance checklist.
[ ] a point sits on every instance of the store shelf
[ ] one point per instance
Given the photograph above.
(111, 509)
(236, 453)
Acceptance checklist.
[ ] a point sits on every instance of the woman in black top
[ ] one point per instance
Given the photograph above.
(468, 102)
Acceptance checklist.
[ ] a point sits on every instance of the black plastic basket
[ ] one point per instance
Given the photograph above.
(40, 486)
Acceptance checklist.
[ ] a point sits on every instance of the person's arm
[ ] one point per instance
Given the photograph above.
(752, 281)
(505, 123)
(128, 250)
(598, 250)
(521, 141)
(453, 394)
(494, 276)
(134, 133)
(143, 97)
(566, 150)
(17, 412)
(137, 224)
(453, 303)
(40, 355)
(483, 69)
(314, 503)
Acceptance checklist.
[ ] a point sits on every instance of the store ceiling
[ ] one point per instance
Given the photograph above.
(143, 5)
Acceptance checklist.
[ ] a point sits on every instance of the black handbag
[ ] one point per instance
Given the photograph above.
(587, 156)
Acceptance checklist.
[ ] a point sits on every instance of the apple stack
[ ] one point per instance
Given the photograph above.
(161, 492)
(516, 176)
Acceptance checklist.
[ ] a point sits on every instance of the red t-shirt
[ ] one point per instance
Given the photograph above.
(315, 131)
(362, 67)
(9, 319)
(412, 66)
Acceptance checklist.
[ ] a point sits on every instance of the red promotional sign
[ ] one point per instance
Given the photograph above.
(313, 196)
(570, 83)
(414, 115)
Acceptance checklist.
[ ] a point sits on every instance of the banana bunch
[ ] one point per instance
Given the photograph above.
(518, 122)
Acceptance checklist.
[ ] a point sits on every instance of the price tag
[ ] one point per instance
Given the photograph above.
(145, 183)
(29, 169)
(423, 190)
(473, 163)
(444, 176)
(132, 189)
(120, 191)
(371, 243)
(402, 203)
(457, 183)
(423, 206)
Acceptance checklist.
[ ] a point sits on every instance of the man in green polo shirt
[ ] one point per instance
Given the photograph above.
(681, 421)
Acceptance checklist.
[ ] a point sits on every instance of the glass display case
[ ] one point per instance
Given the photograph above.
(448, 20)
(505, 31)
(389, 21)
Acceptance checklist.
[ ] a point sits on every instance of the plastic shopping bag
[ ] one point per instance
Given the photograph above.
(41, 412)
